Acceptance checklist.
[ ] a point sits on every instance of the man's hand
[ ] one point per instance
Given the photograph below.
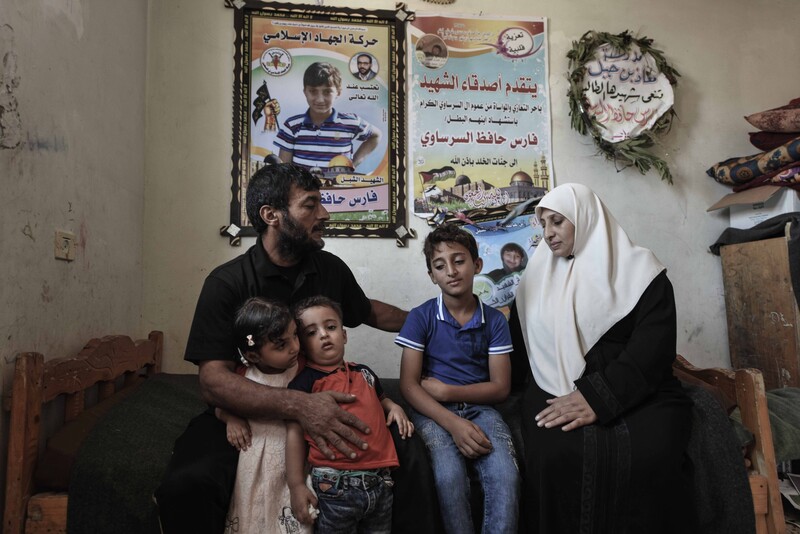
(273, 106)
(570, 410)
(329, 425)
(271, 110)
(318, 413)
(386, 317)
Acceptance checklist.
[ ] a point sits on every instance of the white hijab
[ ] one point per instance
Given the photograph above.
(566, 305)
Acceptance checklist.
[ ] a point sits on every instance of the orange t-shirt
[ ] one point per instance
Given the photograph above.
(358, 380)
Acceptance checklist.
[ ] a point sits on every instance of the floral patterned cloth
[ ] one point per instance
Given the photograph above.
(761, 166)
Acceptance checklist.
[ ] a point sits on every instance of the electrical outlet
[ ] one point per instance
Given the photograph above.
(64, 245)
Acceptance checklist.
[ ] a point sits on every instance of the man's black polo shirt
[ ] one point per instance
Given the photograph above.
(253, 275)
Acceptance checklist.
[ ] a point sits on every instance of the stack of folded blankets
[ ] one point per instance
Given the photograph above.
(778, 164)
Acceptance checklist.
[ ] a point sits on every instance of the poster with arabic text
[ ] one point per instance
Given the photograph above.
(322, 87)
(479, 109)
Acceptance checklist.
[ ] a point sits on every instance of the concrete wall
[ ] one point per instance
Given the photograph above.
(732, 58)
(72, 110)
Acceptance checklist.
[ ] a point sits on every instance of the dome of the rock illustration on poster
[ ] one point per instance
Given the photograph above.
(340, 162)
(520, 177)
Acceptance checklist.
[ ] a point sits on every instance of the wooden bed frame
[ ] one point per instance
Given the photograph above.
(745, 388)
(36, 383)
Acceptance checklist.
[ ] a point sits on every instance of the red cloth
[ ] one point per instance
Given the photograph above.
(770, 140)
(786, 176)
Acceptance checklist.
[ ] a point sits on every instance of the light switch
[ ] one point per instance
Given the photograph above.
(64, 245)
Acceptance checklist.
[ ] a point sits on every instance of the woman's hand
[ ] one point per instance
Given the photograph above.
(570, 410)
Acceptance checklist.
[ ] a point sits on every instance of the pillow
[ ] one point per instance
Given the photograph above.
(783, 119)
(788, 175)
(770, 140)
(738, 171)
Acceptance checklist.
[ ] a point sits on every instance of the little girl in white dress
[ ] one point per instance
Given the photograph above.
(268, 345)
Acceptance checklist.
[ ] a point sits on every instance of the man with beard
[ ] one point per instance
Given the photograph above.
(286, 264)
(364, 70)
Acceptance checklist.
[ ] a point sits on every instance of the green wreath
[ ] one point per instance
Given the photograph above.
(633, 150)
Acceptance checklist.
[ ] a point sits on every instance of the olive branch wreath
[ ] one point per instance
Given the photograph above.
(633, 150)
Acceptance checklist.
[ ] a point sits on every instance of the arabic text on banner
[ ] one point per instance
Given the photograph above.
(479, 112)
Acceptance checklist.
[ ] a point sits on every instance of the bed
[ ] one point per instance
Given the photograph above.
(123, 378)
(112, 381)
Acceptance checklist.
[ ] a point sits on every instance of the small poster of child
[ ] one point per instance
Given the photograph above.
(505, 251)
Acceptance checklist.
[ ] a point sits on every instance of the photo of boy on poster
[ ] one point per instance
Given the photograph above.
(513, 259)
(319, 127)
(505, 250)
(300, 102)
(315, 138)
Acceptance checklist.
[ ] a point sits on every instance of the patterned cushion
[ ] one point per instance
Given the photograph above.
(738, 171)
(788, 176)
(783, 119)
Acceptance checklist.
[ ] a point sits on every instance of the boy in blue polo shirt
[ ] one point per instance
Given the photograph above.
(313, 138)
(455, 365)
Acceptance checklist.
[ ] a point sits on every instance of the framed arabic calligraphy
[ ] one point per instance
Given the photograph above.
(323, 87)
(621, 94)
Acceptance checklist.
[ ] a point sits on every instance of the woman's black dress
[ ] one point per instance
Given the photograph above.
(628, 472)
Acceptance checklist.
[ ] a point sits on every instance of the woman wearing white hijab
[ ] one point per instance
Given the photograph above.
(605, 423)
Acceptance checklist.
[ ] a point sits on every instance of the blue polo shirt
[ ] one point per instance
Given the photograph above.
(315, 146)
(455, 354)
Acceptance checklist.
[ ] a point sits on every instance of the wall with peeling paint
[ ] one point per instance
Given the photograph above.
(72, 119)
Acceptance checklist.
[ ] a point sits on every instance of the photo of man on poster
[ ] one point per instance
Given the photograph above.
(365, 67)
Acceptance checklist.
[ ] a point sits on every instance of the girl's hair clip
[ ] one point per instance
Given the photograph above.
(243, 359)
(250, 342)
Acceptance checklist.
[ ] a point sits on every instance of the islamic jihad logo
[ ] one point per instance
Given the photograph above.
(276, 61)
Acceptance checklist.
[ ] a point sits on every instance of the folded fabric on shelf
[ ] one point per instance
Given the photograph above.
(739, 171)
(771, 140)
